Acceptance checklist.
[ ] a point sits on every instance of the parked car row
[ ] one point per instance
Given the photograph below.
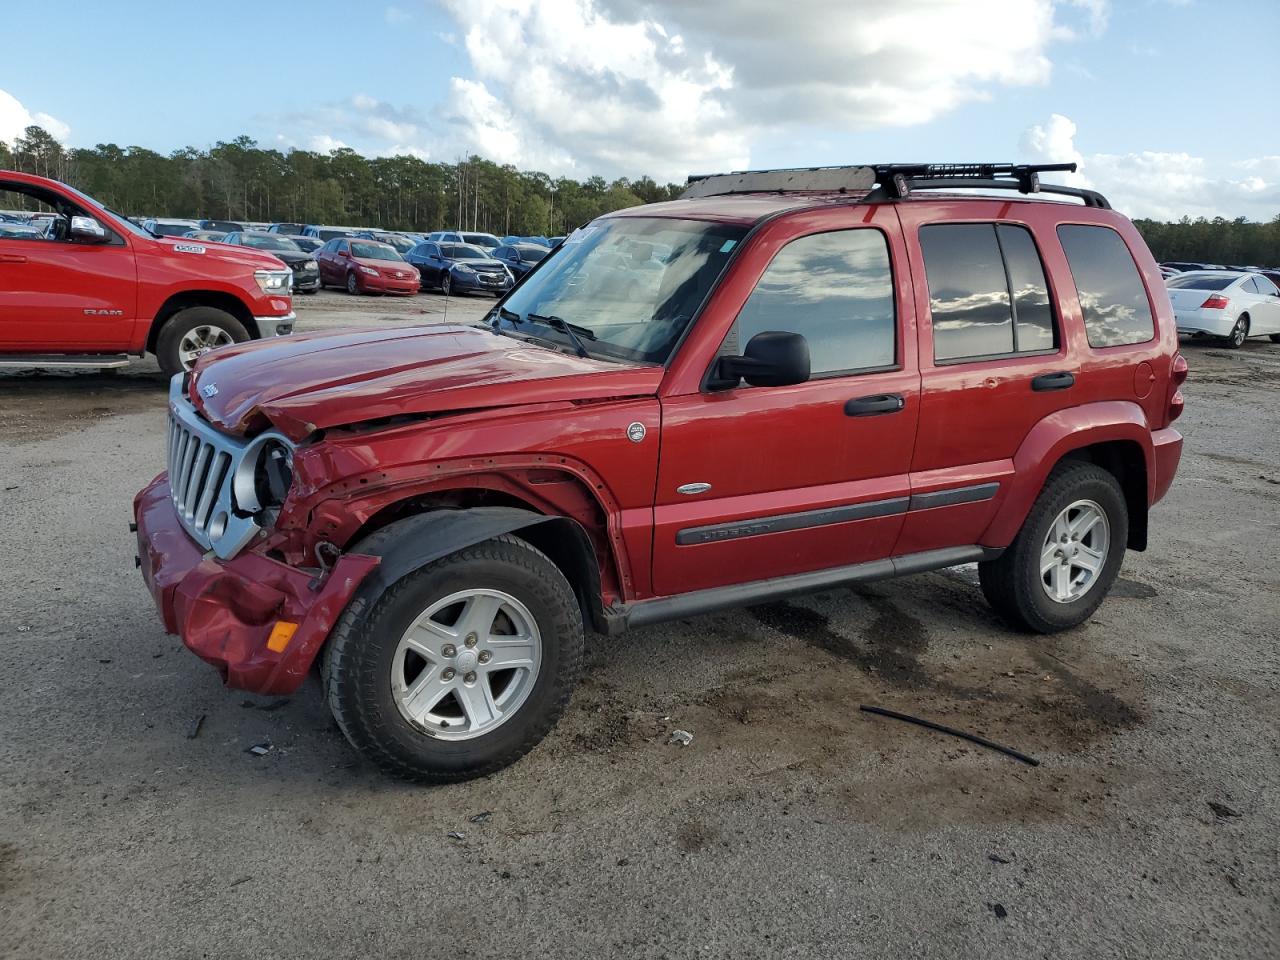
(1232, 304)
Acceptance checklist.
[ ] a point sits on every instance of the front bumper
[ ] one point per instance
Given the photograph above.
(1217, 323)
(275, 326)
(225, 610)
(384, 284)
(468, 282)
(303, 283)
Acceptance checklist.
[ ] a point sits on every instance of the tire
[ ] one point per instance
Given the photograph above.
(353, 284)
(1275, 338)
(182, 333)
(1014, 584)
(361, 665)
(1239, 333)
(446, 284)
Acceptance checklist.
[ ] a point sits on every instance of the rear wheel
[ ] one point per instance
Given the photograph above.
(1061, 565)
(190, 334)
(459, 668)
(1239, 333)
(1275, 338)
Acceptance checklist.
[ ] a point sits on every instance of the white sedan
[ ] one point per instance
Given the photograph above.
(1226, 304)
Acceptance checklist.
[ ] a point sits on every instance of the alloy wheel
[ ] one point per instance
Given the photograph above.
(1075, 551)
(198, 341)
(467, 664)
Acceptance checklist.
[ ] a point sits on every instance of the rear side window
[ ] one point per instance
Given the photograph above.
(835, 289)
(987, 291)
(1112, 298)
(1265, 286)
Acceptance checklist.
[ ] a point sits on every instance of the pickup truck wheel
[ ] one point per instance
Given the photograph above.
(1061, 565)
(190, 334)
(459, 668)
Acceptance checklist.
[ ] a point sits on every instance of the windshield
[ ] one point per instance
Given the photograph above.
(532, 254)
(269, 243)
(1201, 282)
(462, 251)
(481, 240)
(402, 244)
(307, 244)
(368, 250)
(633, 284)
(172, 229)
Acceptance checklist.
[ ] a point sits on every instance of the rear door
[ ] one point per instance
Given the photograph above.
(761, 482)
(993, 361)
(56, 294)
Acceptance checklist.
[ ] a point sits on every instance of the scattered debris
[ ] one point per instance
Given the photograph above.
(999, 910)
(259, 749)
(623, 861)
(455, 835)
(1222, 811)
(239, 880)
(193, 730)
(1263, 476)
(265, 707)
(682, 737)
(482, 817)
(104, 659)
(997, 859)
(972, 738)
(23, 629)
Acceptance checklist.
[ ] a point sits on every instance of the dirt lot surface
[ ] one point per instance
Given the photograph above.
(792, 826)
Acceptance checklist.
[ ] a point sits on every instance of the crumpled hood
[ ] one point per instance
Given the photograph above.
(308, 382)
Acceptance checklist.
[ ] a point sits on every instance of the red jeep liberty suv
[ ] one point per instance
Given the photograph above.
(782, 382)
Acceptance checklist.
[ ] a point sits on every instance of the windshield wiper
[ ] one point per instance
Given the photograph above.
(570, 330)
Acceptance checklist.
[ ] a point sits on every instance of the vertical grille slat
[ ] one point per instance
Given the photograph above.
(195, 485)
(213, 484)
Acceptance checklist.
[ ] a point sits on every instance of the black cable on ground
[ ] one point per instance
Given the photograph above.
(972, 738)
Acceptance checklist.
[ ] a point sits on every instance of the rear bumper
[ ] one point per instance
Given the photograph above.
(1166, 449)
(1218, 323)
(224, 611)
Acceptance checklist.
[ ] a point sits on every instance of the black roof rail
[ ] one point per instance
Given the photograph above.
(892, 181)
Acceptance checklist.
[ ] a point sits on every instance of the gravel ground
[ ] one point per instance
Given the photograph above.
(792, 826)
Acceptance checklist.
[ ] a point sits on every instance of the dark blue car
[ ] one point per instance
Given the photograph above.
(520, 258)
(458, 268)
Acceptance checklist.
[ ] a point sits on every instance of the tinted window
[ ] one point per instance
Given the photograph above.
(1112, 297)
(837, 290)
(1033, 327)
(968, 292)
(533, 254)
(1199, 282)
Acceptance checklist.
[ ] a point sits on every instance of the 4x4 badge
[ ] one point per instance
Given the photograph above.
(635, 432)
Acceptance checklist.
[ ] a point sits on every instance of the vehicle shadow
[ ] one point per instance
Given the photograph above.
(38, 403)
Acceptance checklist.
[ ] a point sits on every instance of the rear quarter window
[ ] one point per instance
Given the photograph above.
(1112, 298)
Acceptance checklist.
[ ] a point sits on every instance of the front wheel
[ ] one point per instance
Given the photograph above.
(1060, 567)
(459, 668)
(1239, 333)
(446, 285)
(190, 334)
(353, 284)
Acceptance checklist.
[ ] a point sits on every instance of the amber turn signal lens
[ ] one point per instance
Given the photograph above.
(281, 634)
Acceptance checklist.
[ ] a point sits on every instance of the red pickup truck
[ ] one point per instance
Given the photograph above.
(785, 381)
(94, 287)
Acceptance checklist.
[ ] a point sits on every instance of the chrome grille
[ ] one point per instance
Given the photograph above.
(203, 466)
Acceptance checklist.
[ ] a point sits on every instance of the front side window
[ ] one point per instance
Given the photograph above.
(1112, 298)
(836, 290)
(988, 296)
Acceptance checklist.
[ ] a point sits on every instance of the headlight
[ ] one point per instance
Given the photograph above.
(369, 270)
(274, 281)
(463, 268)
(264, 476)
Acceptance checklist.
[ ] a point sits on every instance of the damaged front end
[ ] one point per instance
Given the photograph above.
(259, 620)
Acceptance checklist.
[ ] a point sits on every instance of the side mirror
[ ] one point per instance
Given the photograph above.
(87, 230)
(772, 359)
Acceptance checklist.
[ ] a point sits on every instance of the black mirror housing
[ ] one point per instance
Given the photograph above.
(773, 358)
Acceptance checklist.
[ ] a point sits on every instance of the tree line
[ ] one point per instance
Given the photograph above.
(243, 181)
(240, 180)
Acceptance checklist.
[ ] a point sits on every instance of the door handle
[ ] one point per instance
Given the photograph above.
(12, 258)
(874, 405)
(1061, 380)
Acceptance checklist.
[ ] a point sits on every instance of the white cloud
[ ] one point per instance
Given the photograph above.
(1160, 185)
(15, 118)
(323, 143)
(396, 16)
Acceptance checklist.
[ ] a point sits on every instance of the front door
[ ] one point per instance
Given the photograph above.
(761, 482)
(56, 294)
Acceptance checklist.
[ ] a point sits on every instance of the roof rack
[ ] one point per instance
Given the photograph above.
(893, 181)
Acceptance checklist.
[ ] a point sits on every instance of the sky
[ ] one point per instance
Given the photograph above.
(1167, 105)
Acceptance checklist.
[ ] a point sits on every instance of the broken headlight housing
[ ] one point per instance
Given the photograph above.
(263, 478)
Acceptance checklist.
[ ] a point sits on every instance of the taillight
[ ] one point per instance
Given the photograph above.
(1215, 302)
(1178, 371)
